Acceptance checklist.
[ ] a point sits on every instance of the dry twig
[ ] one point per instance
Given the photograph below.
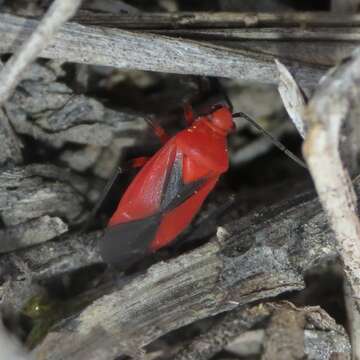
(344, 6)
(327, 110)
(265, 34)
(286, 332)
(334, 102)
(293, 98)
(120, 49)
(10, 347)
(59, 12)
(203, 20)
(260, 256)
(110, 6)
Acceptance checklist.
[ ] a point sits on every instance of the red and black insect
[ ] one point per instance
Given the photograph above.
(170, 188)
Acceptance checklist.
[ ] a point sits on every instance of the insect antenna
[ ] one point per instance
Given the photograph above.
(101, 199)
(217, 87)
(216, 84)
(277, 143)
(227, 99)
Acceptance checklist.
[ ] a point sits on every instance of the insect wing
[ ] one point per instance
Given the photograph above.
(124, 244)
(143, 196)
(178, 217)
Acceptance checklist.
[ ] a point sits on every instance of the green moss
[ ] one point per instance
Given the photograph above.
(45, 312)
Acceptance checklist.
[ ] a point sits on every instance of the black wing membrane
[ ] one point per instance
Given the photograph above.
(175, 191)
(126, 243)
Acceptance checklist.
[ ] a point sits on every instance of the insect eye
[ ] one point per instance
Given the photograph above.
(216, 107)
(210, 110)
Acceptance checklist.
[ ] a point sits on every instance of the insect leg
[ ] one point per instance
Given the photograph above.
(158, 130)
(102, 197)
(135, 163)
(138, 162)
(188, 114)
